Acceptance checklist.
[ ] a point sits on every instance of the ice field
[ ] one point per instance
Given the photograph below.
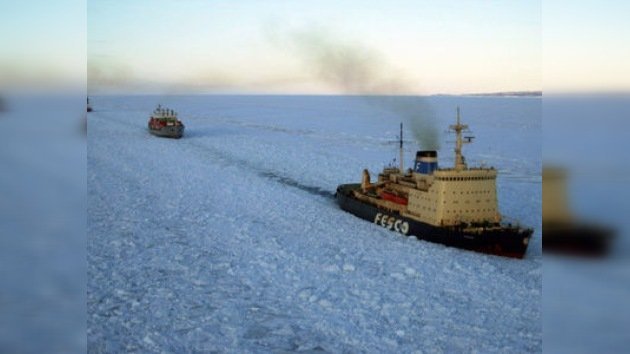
(229, 239)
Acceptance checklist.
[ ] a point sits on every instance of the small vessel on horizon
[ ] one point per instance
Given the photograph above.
(456, 206)
(164, 123)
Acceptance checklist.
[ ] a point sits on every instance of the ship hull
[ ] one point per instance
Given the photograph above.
(577, 239)
(174, 132)
(509, 241)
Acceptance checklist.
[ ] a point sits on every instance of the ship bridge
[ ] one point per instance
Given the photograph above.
(469, 174)
(454, 195)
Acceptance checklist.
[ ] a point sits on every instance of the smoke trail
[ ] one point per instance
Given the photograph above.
(109, 75)
(356, 69)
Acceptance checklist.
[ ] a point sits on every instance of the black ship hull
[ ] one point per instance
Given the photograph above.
(577, 239)
(507, 240)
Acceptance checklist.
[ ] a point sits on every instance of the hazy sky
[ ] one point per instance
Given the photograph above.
(586, 45)
(341, 46)
(41, 42)
(254, 45)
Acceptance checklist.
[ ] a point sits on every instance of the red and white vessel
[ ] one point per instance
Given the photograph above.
(164, 123)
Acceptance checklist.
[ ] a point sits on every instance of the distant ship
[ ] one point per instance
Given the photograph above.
(89, 107)
(164, 123)
(454, 206)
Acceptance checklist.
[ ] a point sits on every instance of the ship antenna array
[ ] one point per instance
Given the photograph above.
(460, 161)
(401, 148)
(400, 142)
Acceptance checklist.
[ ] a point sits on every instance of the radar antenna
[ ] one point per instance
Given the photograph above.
(401, 148)
(460, 161)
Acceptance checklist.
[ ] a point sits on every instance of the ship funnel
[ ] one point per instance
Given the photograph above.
(426, 161)
(365, 181)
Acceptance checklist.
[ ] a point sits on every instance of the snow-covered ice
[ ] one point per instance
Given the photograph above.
(229, 239)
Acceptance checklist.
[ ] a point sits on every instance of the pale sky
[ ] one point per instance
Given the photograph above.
(42, 42)
(253, 46)
(319, 46)
(586, 45)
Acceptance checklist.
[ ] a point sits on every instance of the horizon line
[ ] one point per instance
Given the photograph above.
(524, 93)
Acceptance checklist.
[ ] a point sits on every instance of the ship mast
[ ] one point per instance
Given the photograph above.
(401, 148)
(460, 161)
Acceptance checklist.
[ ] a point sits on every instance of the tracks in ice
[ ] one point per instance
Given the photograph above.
(231, 160)
(275, 176)
(287, 181)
